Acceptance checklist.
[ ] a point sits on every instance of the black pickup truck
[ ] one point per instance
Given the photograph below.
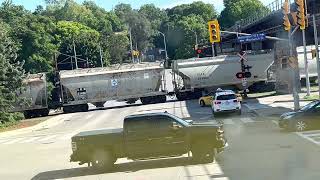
(147, 136)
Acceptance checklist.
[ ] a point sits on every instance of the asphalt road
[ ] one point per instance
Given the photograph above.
(257, 149)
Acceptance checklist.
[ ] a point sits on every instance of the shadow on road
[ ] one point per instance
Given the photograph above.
(124, 167)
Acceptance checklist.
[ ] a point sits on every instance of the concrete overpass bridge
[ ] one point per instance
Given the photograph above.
(270, 22)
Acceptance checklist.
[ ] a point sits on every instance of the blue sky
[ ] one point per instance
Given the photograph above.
(108, 4)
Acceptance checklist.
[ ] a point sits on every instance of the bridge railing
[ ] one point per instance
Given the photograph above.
(272, 8)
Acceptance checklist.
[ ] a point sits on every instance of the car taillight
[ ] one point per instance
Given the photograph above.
(235, 100)
(217, 102)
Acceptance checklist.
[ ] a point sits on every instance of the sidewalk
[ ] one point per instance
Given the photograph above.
(274, 105)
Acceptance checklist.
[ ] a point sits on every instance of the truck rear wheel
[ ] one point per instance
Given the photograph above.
(103, 160)
(202, 153)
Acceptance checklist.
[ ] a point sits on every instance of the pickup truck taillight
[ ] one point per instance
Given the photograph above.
(220, 133)
(74, 146)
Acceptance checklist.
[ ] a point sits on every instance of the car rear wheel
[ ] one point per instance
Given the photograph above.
(300, 125)
(202, 104)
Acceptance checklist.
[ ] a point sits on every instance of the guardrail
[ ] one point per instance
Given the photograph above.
(270, 9)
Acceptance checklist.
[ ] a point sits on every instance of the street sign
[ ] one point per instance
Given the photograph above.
(251, 38)
(242, 56)
(244, 82)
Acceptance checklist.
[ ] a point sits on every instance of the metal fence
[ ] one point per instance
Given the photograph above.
(258, 15)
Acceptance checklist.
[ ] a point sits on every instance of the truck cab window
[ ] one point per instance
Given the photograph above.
(136, 124)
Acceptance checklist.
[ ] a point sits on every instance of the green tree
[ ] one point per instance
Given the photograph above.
(86, 41)
(117, 45)
(236, 10)
(185, 23)
(11, 74)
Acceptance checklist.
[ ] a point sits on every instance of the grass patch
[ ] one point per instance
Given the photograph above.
(12, 125)
(311, 97)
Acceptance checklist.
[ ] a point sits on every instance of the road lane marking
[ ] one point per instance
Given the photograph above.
(3, 140)
(307, 137)
(14, 141)
(246, 120)
(310, 132)
(227, 121)
(47, 138)
(30, 140)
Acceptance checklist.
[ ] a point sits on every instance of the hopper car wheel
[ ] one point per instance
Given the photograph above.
(162, 99)
(145, 100)
(44, 112)
(27, 114)
(84, 108)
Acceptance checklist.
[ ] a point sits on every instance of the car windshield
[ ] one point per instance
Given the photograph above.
(309, 106)
(227, 97)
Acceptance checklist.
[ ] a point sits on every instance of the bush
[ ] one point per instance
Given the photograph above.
(7, 119)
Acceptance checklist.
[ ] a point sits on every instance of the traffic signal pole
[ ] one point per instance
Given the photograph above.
(295, 93)
(306, 65)
(316, 41)
(212, 45)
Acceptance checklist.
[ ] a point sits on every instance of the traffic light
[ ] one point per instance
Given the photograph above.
(214, 31)
(301, 14)
(286, 11)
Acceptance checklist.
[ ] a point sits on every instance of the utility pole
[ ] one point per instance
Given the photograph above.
(131, 46)
(316, 41)
(287, 27)
(306, 64)
(101, 58)
(75, 55)
(165, 44)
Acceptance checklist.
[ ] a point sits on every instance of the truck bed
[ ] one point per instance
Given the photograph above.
(99, 132)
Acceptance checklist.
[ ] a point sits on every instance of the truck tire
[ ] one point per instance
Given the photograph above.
(202, 153)
(103, 160)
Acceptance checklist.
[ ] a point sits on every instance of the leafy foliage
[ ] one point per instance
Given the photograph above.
(11, 74)
(239, 9)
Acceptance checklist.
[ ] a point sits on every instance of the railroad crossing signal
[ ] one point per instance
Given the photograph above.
(214, 31)
(301, 14)
(286, 11)
(241, 75)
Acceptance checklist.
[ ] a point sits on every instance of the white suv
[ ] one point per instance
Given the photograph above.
(225, 101)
